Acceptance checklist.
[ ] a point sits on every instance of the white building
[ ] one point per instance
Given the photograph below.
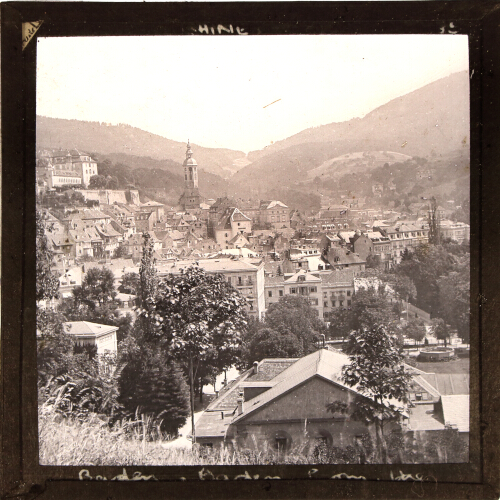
(86, 333)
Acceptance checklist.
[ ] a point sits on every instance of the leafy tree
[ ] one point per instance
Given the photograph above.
(199, 317)
(268, 343)
(426, 265)
(376, 369)
(98, 288)
(131, 283)
(47, 283)
(54, 346)
(294, 315)
(415, 329)
(454, 293)
(441, 330)
(122, 251)
(370, 307)
(97, 182)
(340, 323)
(373, 261)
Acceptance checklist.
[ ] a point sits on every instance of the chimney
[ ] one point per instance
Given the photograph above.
(240, 405)
(255, 367)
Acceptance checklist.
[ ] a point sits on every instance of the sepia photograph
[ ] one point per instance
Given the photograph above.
(253, 250)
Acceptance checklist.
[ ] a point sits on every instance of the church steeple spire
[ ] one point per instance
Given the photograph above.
(191, 198)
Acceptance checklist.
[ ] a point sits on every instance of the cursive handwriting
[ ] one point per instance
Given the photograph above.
(343, 475)
(205, 474)
(407, 477)
(84, 475)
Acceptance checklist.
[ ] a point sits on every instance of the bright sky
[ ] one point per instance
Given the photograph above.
(217, 90)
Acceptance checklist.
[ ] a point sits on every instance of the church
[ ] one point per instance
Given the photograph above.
(190, 199)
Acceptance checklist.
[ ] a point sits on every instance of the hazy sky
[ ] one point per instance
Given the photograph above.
(217, 90)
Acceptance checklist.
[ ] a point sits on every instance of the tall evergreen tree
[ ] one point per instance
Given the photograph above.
(47, 282)
(152, 384)
(434, 223)
(148, 289)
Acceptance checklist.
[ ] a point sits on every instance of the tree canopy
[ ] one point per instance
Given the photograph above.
(199, 318)
(424, 267)
(294, 315)
(376, 370)
(98, 288)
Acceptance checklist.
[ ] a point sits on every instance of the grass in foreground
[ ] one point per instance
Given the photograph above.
(67, 441)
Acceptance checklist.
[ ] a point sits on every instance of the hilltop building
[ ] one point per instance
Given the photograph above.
(66, 167)
(191, 198)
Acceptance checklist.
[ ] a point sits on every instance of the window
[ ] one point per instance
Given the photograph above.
(280, 443)
(281, 293)
(348, 293)
(313, 302)
(341, 303)
(240, 281)
(313, 289)
(348, 302)
(293, 290)
(270, 293)
(325, 304)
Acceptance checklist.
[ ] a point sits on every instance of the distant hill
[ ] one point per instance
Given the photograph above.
(164, 178)
(95, 136)
(356, 162)
(433, 120)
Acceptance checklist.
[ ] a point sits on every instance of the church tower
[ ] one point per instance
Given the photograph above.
(191, 198)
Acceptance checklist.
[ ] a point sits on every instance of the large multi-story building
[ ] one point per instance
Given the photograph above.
(406, 236)
(66, 167)
(456, 231)
(325, 290)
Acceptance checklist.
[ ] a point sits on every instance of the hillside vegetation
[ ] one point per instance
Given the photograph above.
(95, 136)
(433, 120)
(429, 126)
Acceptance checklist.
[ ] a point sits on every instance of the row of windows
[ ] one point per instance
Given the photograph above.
(408, 235)
(277, 218)
(338, 292)
(335, 303)
(240, 280)
(71, 180)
